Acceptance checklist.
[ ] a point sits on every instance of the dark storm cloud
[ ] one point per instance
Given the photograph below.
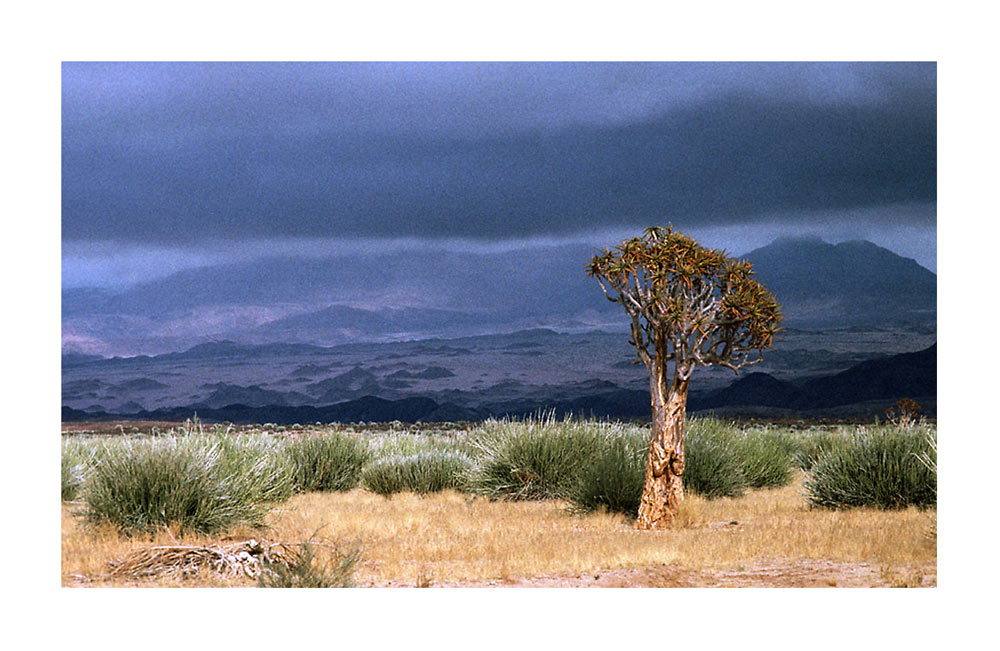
(179, 152)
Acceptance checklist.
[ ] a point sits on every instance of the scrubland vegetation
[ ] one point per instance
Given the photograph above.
(498, 500)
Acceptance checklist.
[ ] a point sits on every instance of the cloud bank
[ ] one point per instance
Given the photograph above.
(177, 154)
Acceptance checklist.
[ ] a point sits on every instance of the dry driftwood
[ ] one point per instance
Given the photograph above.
(242, 558)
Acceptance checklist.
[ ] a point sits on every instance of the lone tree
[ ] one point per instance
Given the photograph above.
(691, 306)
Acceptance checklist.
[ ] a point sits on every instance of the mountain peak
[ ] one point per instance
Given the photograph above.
(798, 239)
(796, 246)
(855, 282)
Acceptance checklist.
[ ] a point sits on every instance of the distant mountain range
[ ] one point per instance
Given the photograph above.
(897, 376)
(863, 390)
(384, 297)
(340, 321)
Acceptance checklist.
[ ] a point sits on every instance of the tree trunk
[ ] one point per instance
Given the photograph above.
(663, 490)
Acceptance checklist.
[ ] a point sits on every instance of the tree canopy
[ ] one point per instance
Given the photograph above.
(689, 304)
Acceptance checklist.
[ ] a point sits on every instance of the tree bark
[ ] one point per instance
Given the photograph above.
(664, 490)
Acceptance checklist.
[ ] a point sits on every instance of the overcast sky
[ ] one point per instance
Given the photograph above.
(167, 166)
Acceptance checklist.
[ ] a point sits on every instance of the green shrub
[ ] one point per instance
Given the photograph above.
(241, 455)
(404, 444)
(614, 477)
(813, 445)
(423, 472)
(330, 462)
(766, 458)
(713, 464)
(928, 456)
(72, 479)
(603, 465)
(189, 482)
(531, 459)
(336, 570)
(75, 465)
(884, 467)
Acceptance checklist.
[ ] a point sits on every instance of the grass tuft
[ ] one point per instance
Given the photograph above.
(884, 467)
(766, 457)
(424, 472)
(76, 458)
(197, 483)
(329, 462)
(613, 480)
(721, 461)
(316, 566)
(531, 459)
(713, 465)
(814, 444)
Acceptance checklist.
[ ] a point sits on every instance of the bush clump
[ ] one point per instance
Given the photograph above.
(884, 467)
(713, 464)
(72, 479)
(614, 478)
(407, 444)
(75, 464)
(766, 458)
(814, 445)
(423, 472)
(330, 462)
(248, 455)
(531, 459)
(196, 483)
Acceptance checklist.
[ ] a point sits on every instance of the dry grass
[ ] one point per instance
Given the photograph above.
(249, 558)
(451, 538)
(91, 554)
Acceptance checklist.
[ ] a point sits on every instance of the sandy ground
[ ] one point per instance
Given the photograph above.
(773, 574)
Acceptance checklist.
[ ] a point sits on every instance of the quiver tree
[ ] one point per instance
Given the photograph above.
(690, 306)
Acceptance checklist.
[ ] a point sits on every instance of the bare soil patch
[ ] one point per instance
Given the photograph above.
(770, 574)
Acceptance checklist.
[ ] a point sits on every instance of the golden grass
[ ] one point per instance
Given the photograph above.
(450, 538)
